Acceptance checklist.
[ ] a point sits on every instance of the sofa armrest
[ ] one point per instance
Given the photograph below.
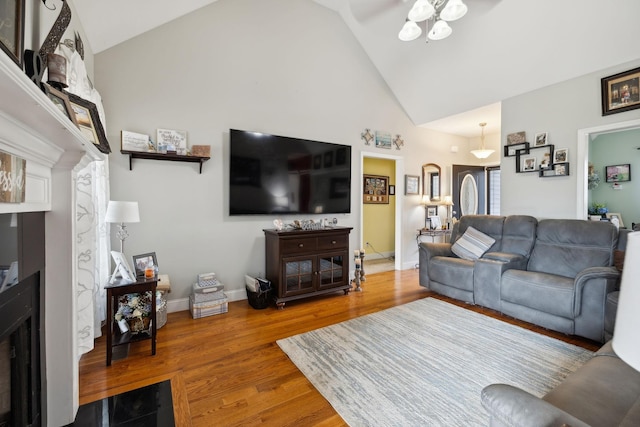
(428, 250)
(487, 273)
(516, 261)
(604, 277)
(511, 406)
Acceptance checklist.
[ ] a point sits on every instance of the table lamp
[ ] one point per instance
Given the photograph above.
(625, 335)
(448, 202)
(119, 213)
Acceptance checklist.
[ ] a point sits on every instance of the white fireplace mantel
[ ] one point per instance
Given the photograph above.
(33, 128)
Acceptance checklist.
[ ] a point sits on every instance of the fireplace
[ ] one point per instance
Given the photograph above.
(20, 319)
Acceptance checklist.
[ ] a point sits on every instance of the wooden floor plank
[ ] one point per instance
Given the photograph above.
(227, 369)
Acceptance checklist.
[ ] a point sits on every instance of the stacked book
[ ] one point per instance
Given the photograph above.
(208, 297)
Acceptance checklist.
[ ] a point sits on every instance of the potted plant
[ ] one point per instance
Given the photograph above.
(598, 210)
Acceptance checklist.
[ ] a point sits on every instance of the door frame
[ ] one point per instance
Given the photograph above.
(584, 136)
(399, 161)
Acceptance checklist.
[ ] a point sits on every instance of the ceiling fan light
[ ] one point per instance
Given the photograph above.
(440, 30)
(454, 9)
(421, 11)
(482, 154)
(410, 31)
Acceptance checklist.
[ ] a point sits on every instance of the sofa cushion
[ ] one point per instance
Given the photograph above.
(472, 244)
(566, 247)
(491, 225)
(455, 272)
(541, 291)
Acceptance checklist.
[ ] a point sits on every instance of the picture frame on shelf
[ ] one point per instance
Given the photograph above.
(142, 261)
(516, 138)
(60, 100)
(122, 267)
(560, 169)
(611, 215)
(411, 185)
(528, 164)
(435, 221)
(376, 189)
(621, 92)
(540, 139)
(133, 141)
(169, 140)
(12, 30)
(618, 173)
(561, 155)
(88, 121)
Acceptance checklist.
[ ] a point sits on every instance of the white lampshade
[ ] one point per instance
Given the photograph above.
(455, 9)
(120, 212)
(625, 335)
(482, 154)
(421, 11)
(410, 31)
(447, 201)
(441, 30)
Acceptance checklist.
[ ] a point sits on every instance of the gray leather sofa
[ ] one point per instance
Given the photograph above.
(555, 273)
(604, 392)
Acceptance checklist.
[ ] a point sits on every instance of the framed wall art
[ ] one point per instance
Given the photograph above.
(376, 189)
(561, 155)
(618, 173)
(621, 92)
(88, 121)
(411, 185)
(12, 29)
(540, 139)
(383, 140)
(60, 100)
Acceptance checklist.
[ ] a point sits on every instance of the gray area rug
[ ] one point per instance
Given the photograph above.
(425, 363)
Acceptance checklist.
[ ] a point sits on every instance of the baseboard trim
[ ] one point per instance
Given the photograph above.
(182, 304)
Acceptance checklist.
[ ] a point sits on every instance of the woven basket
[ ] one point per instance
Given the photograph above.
(161, 315)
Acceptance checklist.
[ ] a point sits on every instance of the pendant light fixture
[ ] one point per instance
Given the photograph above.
(438, 11)
(482, 153)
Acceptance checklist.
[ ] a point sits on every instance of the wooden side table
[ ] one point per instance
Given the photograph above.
(114, 336)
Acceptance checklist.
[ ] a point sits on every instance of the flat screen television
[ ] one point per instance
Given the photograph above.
(278, 175)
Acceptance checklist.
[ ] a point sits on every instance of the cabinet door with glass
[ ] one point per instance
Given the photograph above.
(332, 270)
(298, 274)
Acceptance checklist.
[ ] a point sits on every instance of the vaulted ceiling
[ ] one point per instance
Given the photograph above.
(500, 49)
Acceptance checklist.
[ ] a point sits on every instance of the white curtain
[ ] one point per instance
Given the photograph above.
(93, 249)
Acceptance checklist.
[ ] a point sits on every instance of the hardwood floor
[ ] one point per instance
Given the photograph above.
(227, 370)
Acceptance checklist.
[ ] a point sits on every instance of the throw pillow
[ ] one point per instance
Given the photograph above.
(472, 245)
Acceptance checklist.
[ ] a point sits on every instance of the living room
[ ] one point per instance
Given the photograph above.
(300, 71)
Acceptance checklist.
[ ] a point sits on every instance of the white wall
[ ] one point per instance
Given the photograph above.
(561, 110)
(297, 72)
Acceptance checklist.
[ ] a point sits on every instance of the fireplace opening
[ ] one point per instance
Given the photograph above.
(20, 389)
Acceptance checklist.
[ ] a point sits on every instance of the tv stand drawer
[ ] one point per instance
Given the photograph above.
(299, 245)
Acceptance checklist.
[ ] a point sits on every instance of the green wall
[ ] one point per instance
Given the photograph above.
(379, 219)
(615, 149)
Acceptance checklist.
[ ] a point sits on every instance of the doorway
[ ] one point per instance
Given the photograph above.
(390, 219)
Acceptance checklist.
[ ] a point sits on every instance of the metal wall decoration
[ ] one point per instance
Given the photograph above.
(398, 142)
(55, 34)
(12, 178)
(367, 136)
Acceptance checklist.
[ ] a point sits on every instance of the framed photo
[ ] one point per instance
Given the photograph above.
(618, 173)
(376, 189)
(140, 262)
(621, 92)
(383, 139)
(122, 268)
(171, 140)
(516, 138)
(432, 211)
(528, 164)
(60, 100)
(436, 224)
(611, 215)
(88, 121)
(12, 29)
(560, 169)
(411, 185)
(132, 141)
(561, 155)
(540, 139)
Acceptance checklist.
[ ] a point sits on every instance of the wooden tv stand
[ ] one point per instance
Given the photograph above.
(306, 263)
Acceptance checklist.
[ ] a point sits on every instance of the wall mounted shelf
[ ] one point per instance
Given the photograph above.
(161, 156)
(512, 149)
(537, 159)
